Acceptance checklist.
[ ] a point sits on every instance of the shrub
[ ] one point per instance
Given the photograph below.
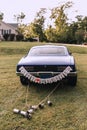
(6, 36)
(11, 37)
(19, 37)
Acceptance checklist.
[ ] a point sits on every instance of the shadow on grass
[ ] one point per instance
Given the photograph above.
(44, 89)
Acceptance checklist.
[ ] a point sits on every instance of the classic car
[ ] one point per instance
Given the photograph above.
(46, 64)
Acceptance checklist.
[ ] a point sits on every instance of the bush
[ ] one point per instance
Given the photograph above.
(11, 37)
(6, 36)
(19, 37)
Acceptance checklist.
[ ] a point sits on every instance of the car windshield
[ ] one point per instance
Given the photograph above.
(48, 51)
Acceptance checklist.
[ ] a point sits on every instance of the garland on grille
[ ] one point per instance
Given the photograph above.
(47, 80)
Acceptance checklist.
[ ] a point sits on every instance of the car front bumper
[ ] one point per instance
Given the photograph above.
(47, 74)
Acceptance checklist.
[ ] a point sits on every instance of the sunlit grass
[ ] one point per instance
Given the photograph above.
(69, 110)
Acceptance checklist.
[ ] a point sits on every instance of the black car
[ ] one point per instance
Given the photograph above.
(46, 64)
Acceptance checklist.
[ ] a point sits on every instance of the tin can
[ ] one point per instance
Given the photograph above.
(41, 106)
(31, 111)
(49, 103)
(17, 111)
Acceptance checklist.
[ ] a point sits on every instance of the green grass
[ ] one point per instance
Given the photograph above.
(69, 110)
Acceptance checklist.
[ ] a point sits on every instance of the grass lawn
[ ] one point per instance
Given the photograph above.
(69, 110)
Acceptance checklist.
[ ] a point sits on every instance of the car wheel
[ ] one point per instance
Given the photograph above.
(72, 81)
(23, 80)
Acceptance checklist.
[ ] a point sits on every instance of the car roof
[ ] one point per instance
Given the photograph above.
(49, 46)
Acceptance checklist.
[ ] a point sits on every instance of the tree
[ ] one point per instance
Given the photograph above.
(22, 16)
(51, 34)
(70, 35)
(29, 32)
(79, 35)
(1, 15)
(19, 17)
(35, 28)
(21, 28)
(81, 32)
(38, 24)
(58, 14)
(85, 28)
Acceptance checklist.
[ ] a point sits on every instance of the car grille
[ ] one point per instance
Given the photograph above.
(53, 68)
(44, 68)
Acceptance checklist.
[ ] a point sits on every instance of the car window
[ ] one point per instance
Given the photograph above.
(48, 51)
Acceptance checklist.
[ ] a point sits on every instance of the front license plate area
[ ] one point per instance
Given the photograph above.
(45, 75)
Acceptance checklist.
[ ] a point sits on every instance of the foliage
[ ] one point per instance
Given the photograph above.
(19, 17)
(79, 29)
(6, 37)
(59, 16)
(19, 37)
(61, 31)
(51, 34)
(60, 20)
(21, 28)
(9, 37)
(36, 28)
(64, 32)
(79, 35)
(38, 24)
(1, 16)
(29, 31)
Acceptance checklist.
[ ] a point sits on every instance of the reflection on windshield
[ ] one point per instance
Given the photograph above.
(47, 51)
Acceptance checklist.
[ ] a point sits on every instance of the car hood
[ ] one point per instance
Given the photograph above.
(47, 60)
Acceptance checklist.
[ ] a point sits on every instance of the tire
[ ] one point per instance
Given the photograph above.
(24, 81)
(72, 81)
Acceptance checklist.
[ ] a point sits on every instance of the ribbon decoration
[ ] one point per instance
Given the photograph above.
(47, 80)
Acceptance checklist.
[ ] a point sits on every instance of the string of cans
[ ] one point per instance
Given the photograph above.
(28, 114)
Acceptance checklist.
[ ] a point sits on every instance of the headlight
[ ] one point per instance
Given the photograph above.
(61, 68)
(29, 68)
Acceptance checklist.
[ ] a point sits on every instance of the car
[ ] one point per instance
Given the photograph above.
(46, 64)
